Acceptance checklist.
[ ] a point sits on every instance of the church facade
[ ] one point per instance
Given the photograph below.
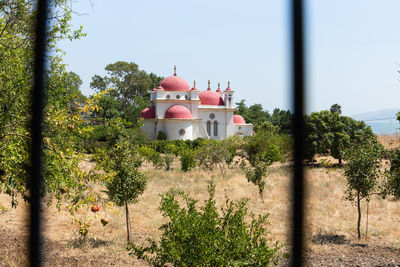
(185, 113)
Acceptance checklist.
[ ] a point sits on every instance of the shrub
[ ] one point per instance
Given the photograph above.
(202, 237)
(212, 155)
(188, 159)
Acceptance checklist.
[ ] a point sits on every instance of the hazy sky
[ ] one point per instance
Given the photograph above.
(353, 47)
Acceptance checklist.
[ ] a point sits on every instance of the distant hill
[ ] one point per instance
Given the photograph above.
(377, 115)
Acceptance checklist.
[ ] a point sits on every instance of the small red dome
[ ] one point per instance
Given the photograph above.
(237, 119)
(178, 112)
(160, 87)
(211, 98)
(148, 113)
(175, 83)
(154, 89)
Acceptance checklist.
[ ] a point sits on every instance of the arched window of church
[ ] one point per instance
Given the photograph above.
(215, 128)
(208, 128)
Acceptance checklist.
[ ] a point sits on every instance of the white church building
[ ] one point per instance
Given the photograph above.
(185, 113)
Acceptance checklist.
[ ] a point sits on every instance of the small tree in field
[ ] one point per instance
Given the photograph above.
(261, 150)
(212, 155)
(128, 183)
(362, 175)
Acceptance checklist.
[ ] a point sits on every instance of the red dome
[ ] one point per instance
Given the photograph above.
(175, 83)
(178, 112)
(237, 119)
(148, 113)
(211, 98)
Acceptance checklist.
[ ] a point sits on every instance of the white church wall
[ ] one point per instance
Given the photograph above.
(148, 128)
(178, 129)
(243, 129)
(223, 117)
(199, 130)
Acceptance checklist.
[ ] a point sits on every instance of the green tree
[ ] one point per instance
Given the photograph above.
(127, 183)
(361, 172)
(129, 93)
(213, 154)
(260, 151)
(329, 132)
(336, 108)
(202, 237)
(63, 126)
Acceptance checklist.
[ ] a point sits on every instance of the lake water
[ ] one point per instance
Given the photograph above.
(390, 126)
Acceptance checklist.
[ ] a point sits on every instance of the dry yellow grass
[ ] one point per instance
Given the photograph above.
(327, 212)
(389, 141)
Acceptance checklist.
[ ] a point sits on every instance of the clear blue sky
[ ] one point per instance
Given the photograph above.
(353, 47)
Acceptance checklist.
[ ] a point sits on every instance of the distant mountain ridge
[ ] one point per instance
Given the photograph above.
(377, 115)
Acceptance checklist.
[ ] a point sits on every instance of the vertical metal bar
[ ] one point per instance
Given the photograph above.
(37, 119)
(298, 72)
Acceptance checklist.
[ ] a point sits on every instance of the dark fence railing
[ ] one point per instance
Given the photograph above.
(37, 119)
(297, 53)
(297, 28)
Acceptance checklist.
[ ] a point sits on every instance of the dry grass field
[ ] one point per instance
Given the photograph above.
(331, 220)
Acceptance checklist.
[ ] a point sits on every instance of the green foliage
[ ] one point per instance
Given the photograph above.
(261, 150)
(128, 183)
(232, 144)
(161, 135)
(329, 132)
(361, 172)
(256, 174)
(168, 159)
(64, 125)
(392, 184)
(266, 146)
(213, 155)
(336, 108)
(202, 237)
(130, 90)
(188, 159)
(255, 114)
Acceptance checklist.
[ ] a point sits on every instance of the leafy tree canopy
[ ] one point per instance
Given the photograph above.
(256, 115)
(129, 90)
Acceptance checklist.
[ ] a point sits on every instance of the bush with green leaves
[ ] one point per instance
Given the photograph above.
(128, 182)
(188, 159)
(392, 183)
(161, 136)
(361, 172)
(204, 237)
(213, 155)
(232, 143)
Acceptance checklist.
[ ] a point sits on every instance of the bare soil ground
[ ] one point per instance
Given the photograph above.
(331, 220)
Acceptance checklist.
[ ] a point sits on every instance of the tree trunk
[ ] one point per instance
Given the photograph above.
(359, 215)
(222, 170)
(261, 195)
(128, 224)
(340, 161)
(366, 227)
